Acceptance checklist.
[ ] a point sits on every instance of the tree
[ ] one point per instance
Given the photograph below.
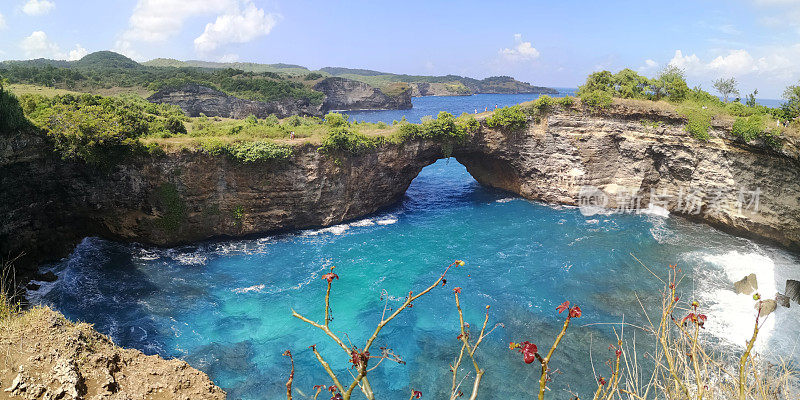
(629, 84)
(751, 99)
(671, 82)
(602, 81)
(726, 87)
(792, 106)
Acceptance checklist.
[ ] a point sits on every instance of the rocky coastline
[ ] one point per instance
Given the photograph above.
(339, 94)
(50, 204)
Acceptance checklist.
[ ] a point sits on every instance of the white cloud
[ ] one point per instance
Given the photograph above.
(38, 7)
(769, 68)
(155, 21)
(522, 51)
(236, 27)
(3, 24)
(77, 53)
(37, 45)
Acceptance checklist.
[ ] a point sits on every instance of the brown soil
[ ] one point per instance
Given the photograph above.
(45, 356)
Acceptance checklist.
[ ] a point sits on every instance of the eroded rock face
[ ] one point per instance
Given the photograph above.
(44, 356)
(195, 100)
(345, 94)
(633, 164)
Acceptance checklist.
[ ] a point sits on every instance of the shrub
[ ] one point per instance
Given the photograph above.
(542, 105)
(12, 117)
(271, 120)
(597, 100)
(341, 139)
(313, 76)
(748, 128)
(566, 101)
(335, 119)
(251, 120)
(698, 123)
(249, 152)
(511, 118)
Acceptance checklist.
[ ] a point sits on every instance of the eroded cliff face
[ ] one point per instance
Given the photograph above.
(345, 94)
(48, 205)
(625, 162)
(195, 100)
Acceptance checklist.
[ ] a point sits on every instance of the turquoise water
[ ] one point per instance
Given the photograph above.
(225, 306)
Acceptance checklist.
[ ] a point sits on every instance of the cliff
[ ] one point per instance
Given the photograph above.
(345, 94)
(44, 356)
(195, 100)
(624, 160)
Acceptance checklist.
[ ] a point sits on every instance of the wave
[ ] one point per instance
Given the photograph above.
(732, 316)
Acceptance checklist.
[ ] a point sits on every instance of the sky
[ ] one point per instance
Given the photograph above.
(550, 43)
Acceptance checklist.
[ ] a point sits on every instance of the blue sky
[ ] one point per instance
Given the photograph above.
(542, 42)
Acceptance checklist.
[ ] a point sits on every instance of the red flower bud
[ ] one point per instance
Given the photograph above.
(330, 276)
(416, 394)
(564, 306)
(575, 312)
(457, 290)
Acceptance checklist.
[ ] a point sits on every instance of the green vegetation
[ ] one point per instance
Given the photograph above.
(342, 139)
(12, 117)
(511, 118)
(698, 107)
(173, 205)
(105, 70)
(101, 130)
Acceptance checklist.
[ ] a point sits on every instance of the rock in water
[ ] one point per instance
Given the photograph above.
(793, 290)
(747, 285)
(783, 300)
(766, 307)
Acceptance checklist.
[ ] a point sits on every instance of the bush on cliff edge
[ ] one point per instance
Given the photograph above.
(11, 116)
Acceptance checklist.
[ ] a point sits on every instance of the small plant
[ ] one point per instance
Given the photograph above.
(698, 124)
(566, 101)
(530, 352)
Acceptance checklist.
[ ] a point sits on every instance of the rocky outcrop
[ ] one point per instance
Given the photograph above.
(569, 156)
(345, 94)
(44, 356)
(419, 89)
(194, 100)
(504, 85)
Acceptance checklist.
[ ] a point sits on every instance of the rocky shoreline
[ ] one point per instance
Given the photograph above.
(46, 356)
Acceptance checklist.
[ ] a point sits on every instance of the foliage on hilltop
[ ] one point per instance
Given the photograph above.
(751, 120)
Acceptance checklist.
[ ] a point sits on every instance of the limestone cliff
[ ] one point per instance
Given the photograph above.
(345, 94)
(624, 161)
(194, 100)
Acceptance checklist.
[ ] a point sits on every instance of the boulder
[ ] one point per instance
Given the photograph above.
(793, 290)
(766, 307)
(748, 285)
(783, 300)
